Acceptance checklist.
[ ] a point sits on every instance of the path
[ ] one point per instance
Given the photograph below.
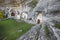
(31, 34)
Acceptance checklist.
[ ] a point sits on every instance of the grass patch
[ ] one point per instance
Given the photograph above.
(57, 25)
(9, 29)
(47, 31)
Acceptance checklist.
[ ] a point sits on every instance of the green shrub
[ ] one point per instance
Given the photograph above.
(1, 14)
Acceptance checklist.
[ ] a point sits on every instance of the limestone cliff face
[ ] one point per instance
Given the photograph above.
(52, 5)
(51, 8)
(48, 7)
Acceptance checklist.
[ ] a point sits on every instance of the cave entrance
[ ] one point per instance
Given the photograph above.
(12, 14)
(39, 17)
(38, 21)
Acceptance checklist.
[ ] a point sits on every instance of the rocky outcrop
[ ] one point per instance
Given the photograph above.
(50, 5)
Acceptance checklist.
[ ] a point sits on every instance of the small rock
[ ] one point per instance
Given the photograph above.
(19, 30)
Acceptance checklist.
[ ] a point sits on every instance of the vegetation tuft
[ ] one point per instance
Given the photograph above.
(57, 25)
(47, 31)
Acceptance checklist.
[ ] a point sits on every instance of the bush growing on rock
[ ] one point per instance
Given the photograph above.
(1, 14)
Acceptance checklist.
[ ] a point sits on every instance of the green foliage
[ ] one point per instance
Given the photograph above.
(2, 32)
(57, 25)
(1, 14)
(47, 31)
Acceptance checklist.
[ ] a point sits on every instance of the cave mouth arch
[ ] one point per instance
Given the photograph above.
(38, 21)
(12, 14)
